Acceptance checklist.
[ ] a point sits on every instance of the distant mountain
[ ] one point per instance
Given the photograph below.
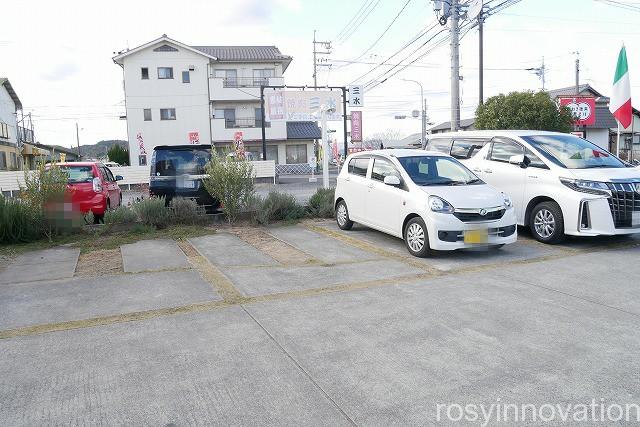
(99, 149)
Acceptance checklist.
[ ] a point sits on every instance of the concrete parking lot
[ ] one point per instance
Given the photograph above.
(311, 325)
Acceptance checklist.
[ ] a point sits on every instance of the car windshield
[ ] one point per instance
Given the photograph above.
(437, 170)
(180, 162)
(571, 152)
(78, 174)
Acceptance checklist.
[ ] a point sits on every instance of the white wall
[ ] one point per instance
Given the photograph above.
(600, 137)
(191, 100)
(8, 115)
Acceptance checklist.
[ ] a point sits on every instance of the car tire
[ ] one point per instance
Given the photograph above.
(547, 223)
(416, 237)
(342, 216)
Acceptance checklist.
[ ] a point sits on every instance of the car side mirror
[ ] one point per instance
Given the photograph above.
(392, 180)
(518, 159)
(119, 178)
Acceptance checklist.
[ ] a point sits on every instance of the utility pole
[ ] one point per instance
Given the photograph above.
(78, 140)
(540, 72)
(455, 66)
(326, 50)
(577, 72)
(480, 59)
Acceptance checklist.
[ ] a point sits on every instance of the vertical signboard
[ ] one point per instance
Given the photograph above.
(356, 126)
(356, 96)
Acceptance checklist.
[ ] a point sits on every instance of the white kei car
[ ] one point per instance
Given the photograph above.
(430, 200)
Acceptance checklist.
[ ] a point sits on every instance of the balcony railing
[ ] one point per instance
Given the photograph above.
(245, 123)
(245, 81)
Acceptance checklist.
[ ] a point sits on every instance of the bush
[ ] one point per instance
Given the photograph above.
(19, 222)
(152, 212)
(121, 215)
(321, 203)
(278, 207)
(230, 180)
(186, 211)
(119, 155)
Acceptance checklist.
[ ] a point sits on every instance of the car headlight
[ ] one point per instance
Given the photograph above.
(506, 201)
(436, 204)
(591, 187)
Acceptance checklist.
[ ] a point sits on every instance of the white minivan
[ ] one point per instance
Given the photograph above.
(430, 200)
(559, 183)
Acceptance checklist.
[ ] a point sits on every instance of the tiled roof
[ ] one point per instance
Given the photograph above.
(583, 90)
(244, 53)
(464, 124)
(604, 118)
(303, 130)
(12, 93)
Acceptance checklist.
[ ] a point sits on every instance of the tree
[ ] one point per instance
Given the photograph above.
(119, 155)
(523, 110)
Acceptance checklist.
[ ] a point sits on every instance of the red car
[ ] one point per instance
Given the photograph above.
(92, 187)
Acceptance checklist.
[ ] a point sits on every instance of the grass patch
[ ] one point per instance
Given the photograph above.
(103, 239)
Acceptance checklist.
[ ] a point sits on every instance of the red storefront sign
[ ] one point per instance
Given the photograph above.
(356, 126)
(582, 107)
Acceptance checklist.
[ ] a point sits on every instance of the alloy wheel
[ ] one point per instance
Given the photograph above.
(415, 237)
(544, 223)
(342, 214)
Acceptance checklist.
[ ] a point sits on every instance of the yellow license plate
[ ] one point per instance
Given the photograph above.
(476, 236)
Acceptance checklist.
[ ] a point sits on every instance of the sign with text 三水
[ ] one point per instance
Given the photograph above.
(583, 109)
(302, 106)
(356, 96)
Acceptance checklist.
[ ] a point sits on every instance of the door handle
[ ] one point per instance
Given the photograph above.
(488, 171)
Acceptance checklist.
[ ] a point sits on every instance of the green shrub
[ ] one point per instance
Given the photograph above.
(186, 211)
(321, 203)
(230, 180)
(121, 215)
(19, 222)
(278, 207)
(153, 212)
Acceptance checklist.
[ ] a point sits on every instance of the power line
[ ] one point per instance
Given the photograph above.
(340, 34)
(357, 24)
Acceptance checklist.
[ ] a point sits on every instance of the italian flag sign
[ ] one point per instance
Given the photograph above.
(620, 103)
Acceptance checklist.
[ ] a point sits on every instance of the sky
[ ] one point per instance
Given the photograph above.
(60, 63)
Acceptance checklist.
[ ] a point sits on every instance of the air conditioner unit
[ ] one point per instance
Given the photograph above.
(192, 67)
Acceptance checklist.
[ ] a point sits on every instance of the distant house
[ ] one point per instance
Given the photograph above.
(465, 124)
(10, 158)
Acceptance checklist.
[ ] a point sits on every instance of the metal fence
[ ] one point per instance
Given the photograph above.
(293, 169)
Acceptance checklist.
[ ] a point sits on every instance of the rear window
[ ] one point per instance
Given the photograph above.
(466, 148)
(78, 174)
(180, 162)
(441, 145)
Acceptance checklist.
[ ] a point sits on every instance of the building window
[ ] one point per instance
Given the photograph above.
(186, 78)
(142, 160)
(296, 153)
(230, 77)
(229, 117)
(3, 160)
(147, 114)
(144, 73)
(261, 76)
(14, 161)
(165, 72)
(4, 130)
(167, 114)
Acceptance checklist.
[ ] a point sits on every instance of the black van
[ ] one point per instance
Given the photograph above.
(177, 170)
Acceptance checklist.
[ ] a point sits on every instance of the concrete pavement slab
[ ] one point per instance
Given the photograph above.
(159, 254)
(448, 260)
(608, 277)
(390, 355)
(47, 264)
(35, 303)
(263, 281)
(213, 368)
(320, 247)
(228, 250)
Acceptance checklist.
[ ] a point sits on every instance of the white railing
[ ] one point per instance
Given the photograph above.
(11, 181)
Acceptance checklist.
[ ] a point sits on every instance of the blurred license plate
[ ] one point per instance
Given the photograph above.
(476, 236)
(635, 219)
(188, 183)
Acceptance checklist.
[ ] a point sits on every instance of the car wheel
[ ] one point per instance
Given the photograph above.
(98, 219)
(416, 237)
(342, 216)
(547, 223)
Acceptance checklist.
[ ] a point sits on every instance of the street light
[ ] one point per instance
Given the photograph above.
(324, 111)
(424, 110)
